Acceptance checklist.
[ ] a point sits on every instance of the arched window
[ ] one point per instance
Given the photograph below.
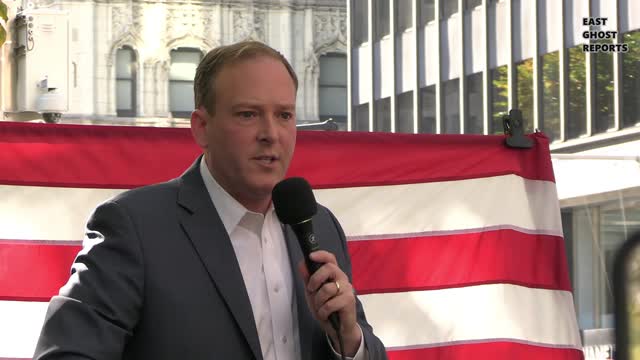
(332, 93)
(184, 62)
(126, 82)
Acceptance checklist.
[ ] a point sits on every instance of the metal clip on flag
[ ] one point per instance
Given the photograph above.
(514, 130)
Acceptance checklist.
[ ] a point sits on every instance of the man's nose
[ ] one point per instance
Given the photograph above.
(268, 131)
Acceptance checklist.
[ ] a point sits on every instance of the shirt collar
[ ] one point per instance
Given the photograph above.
(229, 209)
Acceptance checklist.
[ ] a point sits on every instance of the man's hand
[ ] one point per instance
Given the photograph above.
(325, 297)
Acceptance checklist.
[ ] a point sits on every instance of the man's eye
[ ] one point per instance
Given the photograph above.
(286, 115)
(247, 114)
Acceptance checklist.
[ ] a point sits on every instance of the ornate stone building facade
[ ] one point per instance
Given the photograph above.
(133, 61)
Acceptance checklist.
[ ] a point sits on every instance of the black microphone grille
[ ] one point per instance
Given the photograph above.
(293, 200)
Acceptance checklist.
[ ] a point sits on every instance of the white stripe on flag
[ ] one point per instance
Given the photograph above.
(469, 314)
(45, 213)
(22, 322)
(462, 204)
(419, 318)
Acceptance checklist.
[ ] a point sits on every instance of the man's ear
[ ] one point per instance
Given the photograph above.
(199, 123)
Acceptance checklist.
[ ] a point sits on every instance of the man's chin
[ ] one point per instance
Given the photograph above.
(264, 188)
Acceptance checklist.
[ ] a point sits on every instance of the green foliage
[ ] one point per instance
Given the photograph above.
(551, 95)
(631, 79)
(603, 89)
(499, 98)
(577, 93)
(524, 93)
(5, 18)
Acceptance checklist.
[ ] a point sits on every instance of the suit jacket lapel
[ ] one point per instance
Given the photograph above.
(204, 228)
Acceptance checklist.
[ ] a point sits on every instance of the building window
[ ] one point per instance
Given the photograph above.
(126, 82)
(451, 107)
(382, 115)
(360, 21)
(427, 11)
(550, 119)
(332, 84)
(595, 233)
(404, 120)
(472, 4)
(404, 14)
(427, 121)
(448, 8)
(524, 93)
(582, 240)
(631, 79)
(361, 118)
(184, 62)
(616, 224)
(381, 8)
(474, 123)
(604, 119)
(75, 74)
(499, 99)
(577, 115)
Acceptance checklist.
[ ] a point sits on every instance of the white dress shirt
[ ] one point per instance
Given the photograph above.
(261, 251)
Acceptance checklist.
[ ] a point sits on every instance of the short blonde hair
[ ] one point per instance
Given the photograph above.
(216, 59)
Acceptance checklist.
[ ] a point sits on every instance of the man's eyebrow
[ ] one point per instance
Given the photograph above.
(244, 105)
(252, 105)
(288, 106)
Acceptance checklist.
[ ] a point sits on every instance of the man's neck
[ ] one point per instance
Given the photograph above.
(255, 205)
(258, 204)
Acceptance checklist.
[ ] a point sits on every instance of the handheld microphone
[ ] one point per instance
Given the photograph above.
(295, 205)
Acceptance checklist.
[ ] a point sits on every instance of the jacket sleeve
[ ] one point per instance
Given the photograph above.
(375, 347)
(97, 309)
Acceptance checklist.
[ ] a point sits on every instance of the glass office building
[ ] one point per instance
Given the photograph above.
(457, 66)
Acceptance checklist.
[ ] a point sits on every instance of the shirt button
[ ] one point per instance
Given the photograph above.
(276, 288)
(284, 339)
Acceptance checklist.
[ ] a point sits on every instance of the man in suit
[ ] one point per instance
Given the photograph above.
(200, 267)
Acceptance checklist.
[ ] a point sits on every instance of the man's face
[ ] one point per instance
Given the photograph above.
(250, 138)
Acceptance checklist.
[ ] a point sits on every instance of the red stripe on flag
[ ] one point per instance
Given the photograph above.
(127, 157)
(436, 262)
(499, 350)
(33, 271)
(480, 351)
(379, 266)
(339, 159)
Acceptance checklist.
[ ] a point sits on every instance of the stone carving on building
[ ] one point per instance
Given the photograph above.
(190, 41)
(329, 28)
(179, 21)
(126, 21)
(249, 25)
(207, 21)
(329, 35)
(190, 21)
(127, 39)
(121, 20)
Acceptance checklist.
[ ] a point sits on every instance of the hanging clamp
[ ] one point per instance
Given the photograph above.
(515, 131)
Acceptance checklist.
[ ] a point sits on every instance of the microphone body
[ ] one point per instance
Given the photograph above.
(308, 244)
(295, 205)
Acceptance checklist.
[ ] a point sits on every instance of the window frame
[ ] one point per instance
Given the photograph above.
(133, 80)
(340, 118)
(180, 113)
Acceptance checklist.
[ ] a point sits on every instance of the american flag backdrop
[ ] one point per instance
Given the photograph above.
(456, 240)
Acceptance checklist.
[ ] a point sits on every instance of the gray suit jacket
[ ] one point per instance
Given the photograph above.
(158, 279)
